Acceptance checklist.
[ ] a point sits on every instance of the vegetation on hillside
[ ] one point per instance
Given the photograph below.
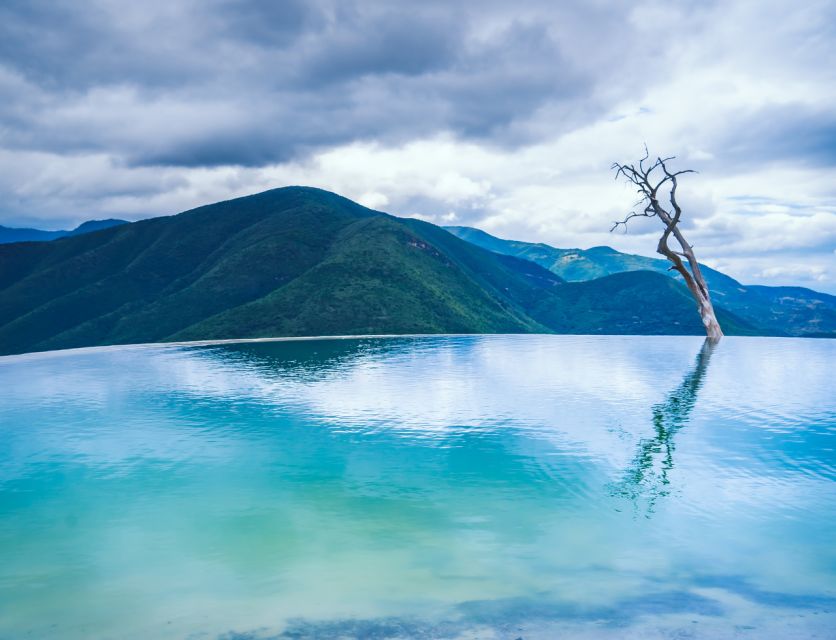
(773, 310)
(300, 261)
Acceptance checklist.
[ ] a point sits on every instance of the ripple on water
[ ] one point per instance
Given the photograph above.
(482, 486)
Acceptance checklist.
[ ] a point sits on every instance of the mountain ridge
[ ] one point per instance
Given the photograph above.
(795, 311)
(301, 261)
(26, 234)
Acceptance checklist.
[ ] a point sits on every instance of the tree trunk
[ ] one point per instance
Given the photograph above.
(709, 320)
(693, 278)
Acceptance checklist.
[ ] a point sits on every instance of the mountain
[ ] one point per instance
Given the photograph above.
(11, 234)
(781, 310)
(93, 225)
(301, 261)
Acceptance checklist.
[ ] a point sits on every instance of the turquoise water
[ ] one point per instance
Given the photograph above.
(443, 487)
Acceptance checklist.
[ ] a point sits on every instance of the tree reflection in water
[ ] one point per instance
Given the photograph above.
(646, 478)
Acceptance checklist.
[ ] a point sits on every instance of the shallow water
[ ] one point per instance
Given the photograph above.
(491, 487)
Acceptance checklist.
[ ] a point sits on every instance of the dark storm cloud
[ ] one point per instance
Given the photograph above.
(70, 47)
(384, 44)
(265, 24)
(250, 83)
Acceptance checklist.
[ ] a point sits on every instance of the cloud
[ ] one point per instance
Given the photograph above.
(809, 272)
(779, 133)
(249, 83)
(494, 115)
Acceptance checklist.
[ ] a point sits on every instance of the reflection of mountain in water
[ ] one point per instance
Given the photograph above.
(304, 358)
(646, 477)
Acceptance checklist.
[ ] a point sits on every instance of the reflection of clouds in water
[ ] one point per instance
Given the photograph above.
(755, 377)
(588, 395)
(473, 464)
(571, 390)
(103, 407)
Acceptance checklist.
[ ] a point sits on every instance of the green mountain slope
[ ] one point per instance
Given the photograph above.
(638, 302)
(301, 261)
(780, 310)
(383, 275)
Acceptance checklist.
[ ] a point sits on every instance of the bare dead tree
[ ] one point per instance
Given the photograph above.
(649, 177)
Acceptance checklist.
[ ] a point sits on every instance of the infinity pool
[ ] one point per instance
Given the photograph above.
(433, 487)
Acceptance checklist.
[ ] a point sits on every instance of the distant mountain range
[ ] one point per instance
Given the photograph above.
(301, 261)
(12, 234)
(774, 310)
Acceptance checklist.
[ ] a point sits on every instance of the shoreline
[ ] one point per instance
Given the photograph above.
(209, 343)
(16, 357)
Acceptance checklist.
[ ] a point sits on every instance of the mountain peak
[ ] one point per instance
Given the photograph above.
(95, 225)
(298, 261)
(11, 234)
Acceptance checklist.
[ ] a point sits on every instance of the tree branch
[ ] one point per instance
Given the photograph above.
(648, 187)
(618, 223)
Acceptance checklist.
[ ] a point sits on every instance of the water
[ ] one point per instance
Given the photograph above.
(444, 487)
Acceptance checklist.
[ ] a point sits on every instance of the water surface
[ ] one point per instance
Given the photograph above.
(443, 487)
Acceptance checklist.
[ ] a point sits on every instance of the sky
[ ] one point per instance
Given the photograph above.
(504, 116)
